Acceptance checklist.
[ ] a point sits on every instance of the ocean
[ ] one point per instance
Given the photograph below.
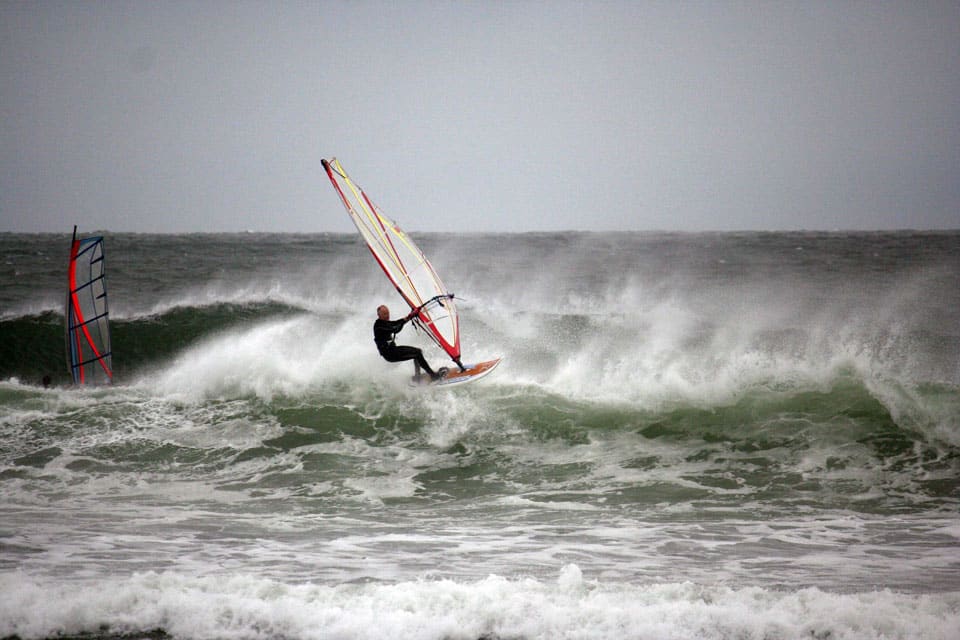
(718, 435)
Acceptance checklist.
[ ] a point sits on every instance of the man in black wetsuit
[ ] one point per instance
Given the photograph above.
(384, 330)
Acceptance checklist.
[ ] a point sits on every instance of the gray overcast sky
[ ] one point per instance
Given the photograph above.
(480, 116)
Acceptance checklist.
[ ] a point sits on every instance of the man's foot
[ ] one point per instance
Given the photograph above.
(441, 372)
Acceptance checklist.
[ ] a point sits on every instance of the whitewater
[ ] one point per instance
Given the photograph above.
(712, 435)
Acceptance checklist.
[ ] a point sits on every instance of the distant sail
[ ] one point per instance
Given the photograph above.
(86, 314)
(403, 262)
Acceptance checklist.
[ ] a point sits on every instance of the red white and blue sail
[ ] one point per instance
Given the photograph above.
(403, 262)
(87, 315)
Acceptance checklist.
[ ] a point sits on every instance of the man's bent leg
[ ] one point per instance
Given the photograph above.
(422, 362)
(400, 354)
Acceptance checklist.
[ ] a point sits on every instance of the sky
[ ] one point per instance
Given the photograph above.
(493, 116)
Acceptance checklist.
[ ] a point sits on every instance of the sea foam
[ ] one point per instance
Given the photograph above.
(565, 606)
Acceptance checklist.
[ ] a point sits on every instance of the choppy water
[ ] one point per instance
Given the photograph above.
(691, 436)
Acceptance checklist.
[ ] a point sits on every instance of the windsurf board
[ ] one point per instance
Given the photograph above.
(454, 376)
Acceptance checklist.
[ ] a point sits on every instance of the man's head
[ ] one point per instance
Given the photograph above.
(383, 312)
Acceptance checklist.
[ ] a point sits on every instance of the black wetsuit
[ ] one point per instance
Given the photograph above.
(383, 333)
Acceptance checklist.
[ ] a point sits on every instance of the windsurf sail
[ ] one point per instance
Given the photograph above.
(403, 262)
(86, 314)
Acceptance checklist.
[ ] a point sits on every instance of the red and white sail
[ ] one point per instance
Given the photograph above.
(403, 262)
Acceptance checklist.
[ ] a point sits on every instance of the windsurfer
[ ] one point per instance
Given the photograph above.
(384, 330)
